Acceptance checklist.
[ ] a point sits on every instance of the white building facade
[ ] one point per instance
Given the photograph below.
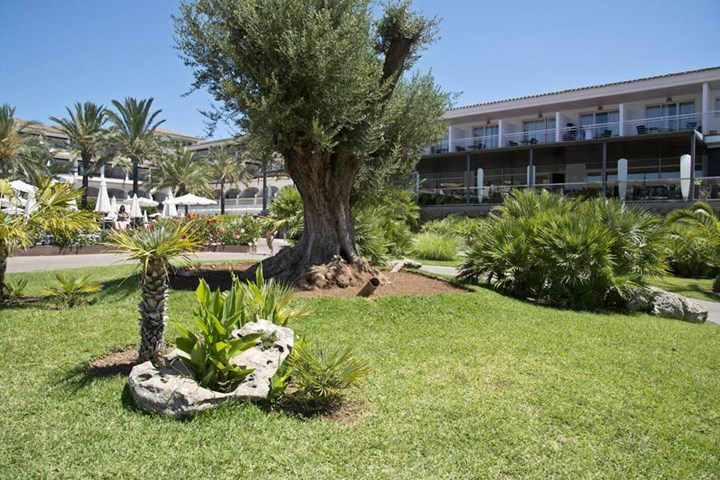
(577, 142)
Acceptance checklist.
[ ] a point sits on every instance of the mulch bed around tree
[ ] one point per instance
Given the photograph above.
(116, 363)
(401, 283)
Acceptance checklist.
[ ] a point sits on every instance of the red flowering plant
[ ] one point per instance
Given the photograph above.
(228, 229)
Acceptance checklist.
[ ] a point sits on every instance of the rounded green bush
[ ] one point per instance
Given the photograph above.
(433, 246)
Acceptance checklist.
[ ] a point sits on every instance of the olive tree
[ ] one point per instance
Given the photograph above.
(327, 85)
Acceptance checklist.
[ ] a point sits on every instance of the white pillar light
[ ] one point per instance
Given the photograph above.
(530, 175)
(685, 162)
(622, 174)
(480, 184)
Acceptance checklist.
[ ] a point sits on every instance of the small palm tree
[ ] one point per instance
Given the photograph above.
(52, 214)
(226, 167)
(154, 250)
(22, 154)
(181, 173)
(133, 132)
(84, 129)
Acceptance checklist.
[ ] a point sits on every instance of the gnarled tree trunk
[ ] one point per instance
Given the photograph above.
(325, 182)
(152, 312)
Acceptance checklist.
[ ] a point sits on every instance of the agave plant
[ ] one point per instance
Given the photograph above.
(154, 249)
(72, 291)
(269, 300)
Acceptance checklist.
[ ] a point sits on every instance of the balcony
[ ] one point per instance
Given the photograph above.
(573, 133)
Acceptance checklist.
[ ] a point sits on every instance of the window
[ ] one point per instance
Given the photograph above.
(486, 135)
(669, 117)
(542, 130)
(600, 124)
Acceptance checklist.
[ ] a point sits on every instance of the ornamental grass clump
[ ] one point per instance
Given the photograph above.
(565, 252)
(72, 291)
(436, 246)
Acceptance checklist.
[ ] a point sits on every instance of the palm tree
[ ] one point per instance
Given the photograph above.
(84, 129)
(154, 249)
(699, 228)
(179, 172)
(51, 215)
(226, 167)
(21, 155)
(133, 132)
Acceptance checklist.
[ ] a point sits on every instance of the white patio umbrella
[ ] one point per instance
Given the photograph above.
(135, 207)
(142, 201)
(13, 210)
(103, 200)
(191, 199)
(145, 217)
(169, 209)
(20, 186)
(113, 208)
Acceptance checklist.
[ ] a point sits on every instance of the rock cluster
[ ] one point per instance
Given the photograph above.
(171, 390)
(667, 305)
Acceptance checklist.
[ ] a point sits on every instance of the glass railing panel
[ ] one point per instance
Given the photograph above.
(667, 124)
(532, 137)
(475, 143)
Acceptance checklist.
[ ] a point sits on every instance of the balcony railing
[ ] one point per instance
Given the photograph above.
(667, 124)
(573, 132)
(475, 143)
(645, 191)
(532, 137)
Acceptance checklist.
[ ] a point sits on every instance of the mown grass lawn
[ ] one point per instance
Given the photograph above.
(467, 385)
(700, 288)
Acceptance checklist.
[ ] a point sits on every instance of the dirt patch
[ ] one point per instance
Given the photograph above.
(116, 363)
(401, 283)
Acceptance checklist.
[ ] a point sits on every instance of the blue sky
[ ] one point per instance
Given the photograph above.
(58, 52)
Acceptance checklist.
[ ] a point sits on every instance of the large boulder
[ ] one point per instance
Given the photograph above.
(666, 304)
(171, 390)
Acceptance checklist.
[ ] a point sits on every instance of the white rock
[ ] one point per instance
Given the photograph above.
(171, 391)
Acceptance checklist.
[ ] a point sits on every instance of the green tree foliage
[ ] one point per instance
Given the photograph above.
(84, 129)
(181, 172)
(132, 135)
(24, 154)
(694, 240)
(565, 252)
(323, 84)
(226, 168)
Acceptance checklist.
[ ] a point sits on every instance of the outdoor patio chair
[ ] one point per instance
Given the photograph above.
(641, 130)
(607, 133)
(512, 143)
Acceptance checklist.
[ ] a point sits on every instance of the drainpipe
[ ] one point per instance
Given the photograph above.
(604, 169)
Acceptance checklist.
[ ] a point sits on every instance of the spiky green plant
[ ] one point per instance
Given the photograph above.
(84, 129)
(286, 213)
(15, 290)
(209, 353)
(72, 291)
(269, 300)
(154, 249)
(133, 132)
(322, 374)
(694, 241)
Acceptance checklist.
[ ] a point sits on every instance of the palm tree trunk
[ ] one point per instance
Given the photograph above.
(152, 312)
(3, 268)
(135, 173)
(222, 198)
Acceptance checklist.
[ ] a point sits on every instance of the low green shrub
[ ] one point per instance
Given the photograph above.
(565, 252)
(72, 291)
(321, 375)
(694, 241)
(15, 290)
(434, 246)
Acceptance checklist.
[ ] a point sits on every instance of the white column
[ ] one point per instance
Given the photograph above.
(450, 138)
(621, 119)
(480, 182)
(501, 134)
(558, 119)
(685, 166)
(706, 107)
(622, 172)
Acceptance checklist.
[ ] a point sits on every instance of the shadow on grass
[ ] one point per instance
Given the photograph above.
(119, 287)
(116, 364)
